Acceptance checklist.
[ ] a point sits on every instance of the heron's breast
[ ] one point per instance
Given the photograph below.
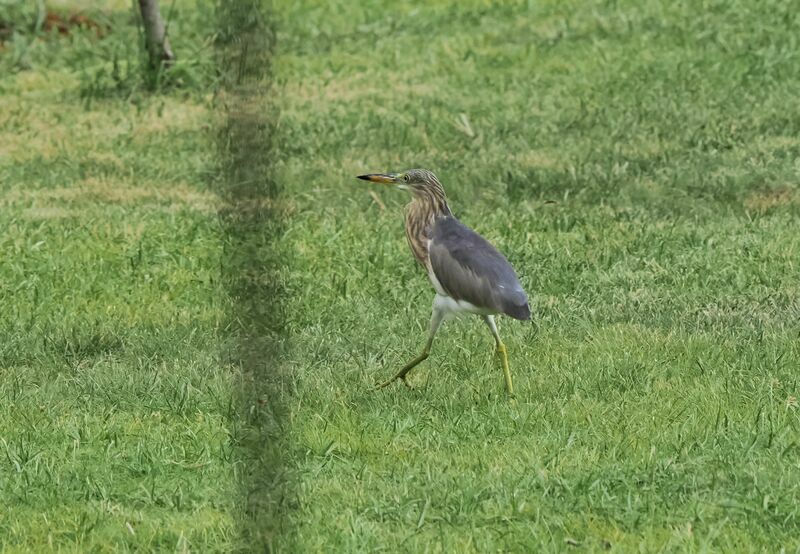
(418, 225)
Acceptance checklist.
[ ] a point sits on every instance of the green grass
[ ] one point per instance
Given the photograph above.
(114, 427)
(187, 359)
(638, 164)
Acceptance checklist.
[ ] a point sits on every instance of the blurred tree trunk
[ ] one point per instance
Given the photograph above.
(156, 39)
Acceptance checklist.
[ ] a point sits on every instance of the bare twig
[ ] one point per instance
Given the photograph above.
(377, 200)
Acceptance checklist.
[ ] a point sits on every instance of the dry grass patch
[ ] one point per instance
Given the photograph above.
(34, 130)
(111, 191)
(328, 88)
(764, 200)
(778, 142)
(539, 158)
(48, 212)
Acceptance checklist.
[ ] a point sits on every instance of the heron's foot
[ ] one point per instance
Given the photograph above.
(403, 372)
(392, 380)
(503, 353)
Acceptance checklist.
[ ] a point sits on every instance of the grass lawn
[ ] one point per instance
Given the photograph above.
(198, 296)
(115, 418)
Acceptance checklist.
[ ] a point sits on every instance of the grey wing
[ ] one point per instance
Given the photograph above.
(469, 268)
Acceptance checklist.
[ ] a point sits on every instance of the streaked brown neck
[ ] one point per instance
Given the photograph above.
(428, 204)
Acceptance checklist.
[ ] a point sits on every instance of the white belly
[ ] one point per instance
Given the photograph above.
(451, 307)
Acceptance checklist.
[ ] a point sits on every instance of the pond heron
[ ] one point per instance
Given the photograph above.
(468, 274)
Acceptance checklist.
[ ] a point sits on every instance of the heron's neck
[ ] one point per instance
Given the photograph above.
(421, 213)
(431, 201)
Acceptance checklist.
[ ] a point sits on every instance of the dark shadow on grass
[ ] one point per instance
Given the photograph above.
(252, 223)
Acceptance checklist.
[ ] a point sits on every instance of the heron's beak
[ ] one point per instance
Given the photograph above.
(386, 178)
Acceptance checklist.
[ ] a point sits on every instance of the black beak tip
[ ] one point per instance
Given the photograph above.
(364, 177)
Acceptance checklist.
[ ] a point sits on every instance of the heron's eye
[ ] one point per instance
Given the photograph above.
(406, 178)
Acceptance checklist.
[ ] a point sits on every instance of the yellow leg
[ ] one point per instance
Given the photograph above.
(408, 367)
(437, 316)
(501, 349)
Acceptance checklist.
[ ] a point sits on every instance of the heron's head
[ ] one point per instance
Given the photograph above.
(418, 181)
